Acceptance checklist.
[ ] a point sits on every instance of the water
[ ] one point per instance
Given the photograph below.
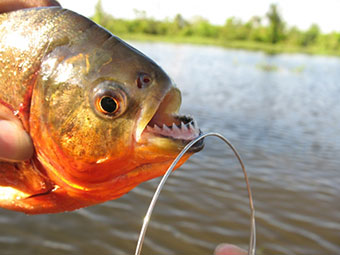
(283, 115)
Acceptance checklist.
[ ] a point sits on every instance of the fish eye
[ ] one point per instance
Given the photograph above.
(109, 99)
(108, 105)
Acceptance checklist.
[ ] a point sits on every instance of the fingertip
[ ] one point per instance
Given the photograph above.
(229, 249)
(24, 146)
(15, 143)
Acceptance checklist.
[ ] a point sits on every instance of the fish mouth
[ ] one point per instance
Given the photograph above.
(167, 126)
(183, 130)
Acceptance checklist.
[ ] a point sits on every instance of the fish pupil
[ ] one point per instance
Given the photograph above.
(108, 104)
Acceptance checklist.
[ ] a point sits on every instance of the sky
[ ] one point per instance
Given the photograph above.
(300, 13)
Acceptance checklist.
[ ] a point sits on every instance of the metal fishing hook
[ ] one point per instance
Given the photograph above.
(252, 241)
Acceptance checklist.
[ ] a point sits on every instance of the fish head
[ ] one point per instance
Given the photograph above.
(104, 117)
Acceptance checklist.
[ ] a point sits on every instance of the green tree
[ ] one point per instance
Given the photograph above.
(178, 25)
(294, 36)
(311, 35)
(258, 32)
(202, 27)
(329, 41)
(276, 25)
(100, 16)
(232, 29)
(179, 22)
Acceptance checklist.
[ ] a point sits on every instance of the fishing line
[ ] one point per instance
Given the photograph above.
(252, 241)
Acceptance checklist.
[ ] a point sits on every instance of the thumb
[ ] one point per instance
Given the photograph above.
(15, 143)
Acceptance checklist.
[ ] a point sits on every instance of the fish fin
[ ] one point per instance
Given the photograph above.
(14, 5)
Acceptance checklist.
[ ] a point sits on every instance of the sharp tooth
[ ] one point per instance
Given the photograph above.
(166, 129)
(148, 128)
(175, 129)
(184, 127)
(194, 130)
(157, 128)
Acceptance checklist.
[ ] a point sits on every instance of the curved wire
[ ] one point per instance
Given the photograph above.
(252, 241)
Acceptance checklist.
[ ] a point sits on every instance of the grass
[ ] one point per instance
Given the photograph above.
(246, 45)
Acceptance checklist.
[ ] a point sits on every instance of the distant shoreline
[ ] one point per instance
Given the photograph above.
(272, 37)
(244, 45)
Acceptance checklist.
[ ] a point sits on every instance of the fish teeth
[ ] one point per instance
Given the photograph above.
(184, 127)
(175, 130)
(183, 131)
(157, 128)
(166, 130)
(193, 130)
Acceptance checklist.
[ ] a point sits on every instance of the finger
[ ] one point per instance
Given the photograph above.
(229, 249)
(7, 114)
(13, 5)
(15, 143)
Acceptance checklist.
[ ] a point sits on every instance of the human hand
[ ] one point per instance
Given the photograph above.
(229, 249)
(15, 143)
(12, 5)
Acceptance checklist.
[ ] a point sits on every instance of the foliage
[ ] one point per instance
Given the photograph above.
(276, 25)
(276, 36)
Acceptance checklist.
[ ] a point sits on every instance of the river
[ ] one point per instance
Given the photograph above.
(281, 112)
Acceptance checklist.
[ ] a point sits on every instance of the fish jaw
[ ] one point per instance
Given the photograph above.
(168, 106)
(166, 130)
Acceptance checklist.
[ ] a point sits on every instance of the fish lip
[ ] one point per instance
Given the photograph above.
(168, 103)
(198, 146)
(141, 126)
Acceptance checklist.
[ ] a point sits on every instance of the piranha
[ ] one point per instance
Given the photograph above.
(103, 117)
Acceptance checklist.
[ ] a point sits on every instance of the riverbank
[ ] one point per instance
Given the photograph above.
(245, 45)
